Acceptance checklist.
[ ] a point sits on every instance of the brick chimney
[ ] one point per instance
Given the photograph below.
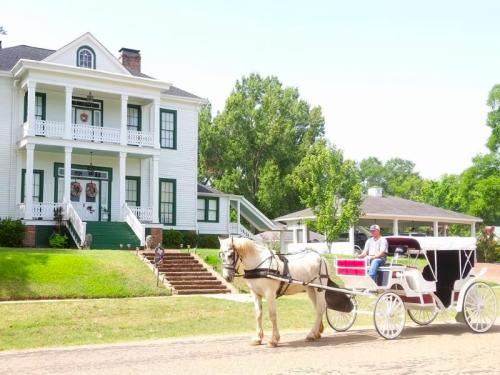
(130, 59)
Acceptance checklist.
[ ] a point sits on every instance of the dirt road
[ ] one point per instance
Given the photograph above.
(448, 348)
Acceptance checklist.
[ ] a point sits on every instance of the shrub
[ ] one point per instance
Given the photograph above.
(488, 250)
(189, 238)
(172, 238)
(208, 241)
(58, 240)
(11, 233)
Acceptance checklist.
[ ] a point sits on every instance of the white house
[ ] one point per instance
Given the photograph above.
(114, 148)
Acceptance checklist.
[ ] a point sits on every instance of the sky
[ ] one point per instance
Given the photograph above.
(404, 79)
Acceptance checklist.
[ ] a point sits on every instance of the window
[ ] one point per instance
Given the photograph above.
(85, 57)
(133, 191)
(168, 128)
(134, 115)
(208, 209)
(37, 185)
(167, 201)
(40, 106)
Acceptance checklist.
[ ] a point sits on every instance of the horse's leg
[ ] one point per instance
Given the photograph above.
(318, 300)
(257, 300)
(271, 301)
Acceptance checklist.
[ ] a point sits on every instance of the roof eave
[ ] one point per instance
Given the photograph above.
(185, 99)
(24, 64)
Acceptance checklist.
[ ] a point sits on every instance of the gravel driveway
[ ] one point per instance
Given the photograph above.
(448, 348)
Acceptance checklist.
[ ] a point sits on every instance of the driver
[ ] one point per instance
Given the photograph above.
(376, 251)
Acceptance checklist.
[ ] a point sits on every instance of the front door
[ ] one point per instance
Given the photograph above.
(85, 198)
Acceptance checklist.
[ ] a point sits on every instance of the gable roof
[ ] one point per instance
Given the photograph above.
(11, 55)
(208, 189)
(85, 39)
(391, 207)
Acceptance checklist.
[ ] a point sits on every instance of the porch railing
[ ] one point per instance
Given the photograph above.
(134, 223)
(53, 129)
(144, 214)
(79, 226)
(139, 138)
(45, 211)
(241, 231)
(95, 133)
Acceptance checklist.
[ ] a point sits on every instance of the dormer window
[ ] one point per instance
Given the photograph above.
(85, 57)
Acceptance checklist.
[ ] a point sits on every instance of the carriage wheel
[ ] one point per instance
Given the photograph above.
(342, 321)
(480, 307)
(422, 317)
(389, 315)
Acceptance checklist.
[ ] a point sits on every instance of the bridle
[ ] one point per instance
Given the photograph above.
(231, 264)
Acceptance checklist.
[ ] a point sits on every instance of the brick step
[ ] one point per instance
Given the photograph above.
(168, 255)
(199, 286)
(202, 291)
(185, 273)
(176, 265)
(182, 269)
(181, 283)
(201, 278)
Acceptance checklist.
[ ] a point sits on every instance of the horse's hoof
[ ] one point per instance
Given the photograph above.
(256, 342)
(272, 344)
(310, 337)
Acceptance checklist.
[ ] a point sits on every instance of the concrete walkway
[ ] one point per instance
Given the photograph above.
(493, 273)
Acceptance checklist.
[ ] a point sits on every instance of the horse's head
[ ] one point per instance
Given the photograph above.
(229, 258)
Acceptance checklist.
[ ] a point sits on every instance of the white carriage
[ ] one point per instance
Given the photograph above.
(447, 282)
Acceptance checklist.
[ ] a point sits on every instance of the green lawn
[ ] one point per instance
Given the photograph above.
(31, 325)
(36, 274)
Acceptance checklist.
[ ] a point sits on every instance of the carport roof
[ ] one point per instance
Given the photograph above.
(395, 208)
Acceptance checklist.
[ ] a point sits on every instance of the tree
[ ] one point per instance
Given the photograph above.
(258, 139)
(493, 119)
(372, 173)
(331, 186)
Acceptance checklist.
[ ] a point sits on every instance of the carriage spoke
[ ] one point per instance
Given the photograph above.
(479, 307)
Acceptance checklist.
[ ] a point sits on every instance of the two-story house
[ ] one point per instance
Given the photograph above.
(113, 148)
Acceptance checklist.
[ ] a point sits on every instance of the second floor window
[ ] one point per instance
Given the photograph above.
(40, 106)
(168, 128)
(134, 117)
(85, 58)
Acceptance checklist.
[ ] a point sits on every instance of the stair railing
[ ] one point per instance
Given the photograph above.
(134, 223)
(79, 227)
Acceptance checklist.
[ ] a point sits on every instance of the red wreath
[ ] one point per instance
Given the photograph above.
(76, 189)
(84, 117)
(91, 190)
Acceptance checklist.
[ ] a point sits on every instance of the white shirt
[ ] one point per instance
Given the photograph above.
(376, 246)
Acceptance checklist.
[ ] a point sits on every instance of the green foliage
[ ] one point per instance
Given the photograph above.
(255, 143)
(58, 240)
(493, 120)
(208, 241)
(331, 185)
(11, 233)
(172, 238)
(488, 247)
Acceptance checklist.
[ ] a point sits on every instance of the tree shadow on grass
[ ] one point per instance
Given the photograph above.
(15, 273)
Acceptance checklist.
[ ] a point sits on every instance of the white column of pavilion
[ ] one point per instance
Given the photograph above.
(28, 182)
(122, 168)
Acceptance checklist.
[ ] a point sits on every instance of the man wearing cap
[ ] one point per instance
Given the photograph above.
(376, 251)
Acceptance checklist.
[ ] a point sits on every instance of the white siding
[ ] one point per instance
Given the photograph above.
(181, 165)
(7, 148)
(222, 226)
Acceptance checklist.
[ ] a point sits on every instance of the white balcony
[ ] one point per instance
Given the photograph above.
(144, 214)
(87, 133)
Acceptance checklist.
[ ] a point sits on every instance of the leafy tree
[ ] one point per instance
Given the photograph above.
(258, 139)
(331, 186)
(372, 173)
(493, 120)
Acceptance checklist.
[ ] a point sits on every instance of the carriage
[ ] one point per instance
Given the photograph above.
(447, 282)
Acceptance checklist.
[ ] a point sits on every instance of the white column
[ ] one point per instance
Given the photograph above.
(31, 107)
(145, 194)
(28, 182)
(473, 230)
(238, 215)
(67, 112)
(351, 238)
(155, 120)
(282, 242)
(155, 183)
(121, 181)
(123, 121)
(67, 174)
(294, 235)
(304, 233)
(395, 227)
(436, 229)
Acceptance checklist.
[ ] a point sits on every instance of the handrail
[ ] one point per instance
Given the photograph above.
(95, 133)
(134, 224)
(139, 138)
(77, 223)
(144, 214)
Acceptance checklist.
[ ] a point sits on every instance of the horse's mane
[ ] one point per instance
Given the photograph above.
(245, 246)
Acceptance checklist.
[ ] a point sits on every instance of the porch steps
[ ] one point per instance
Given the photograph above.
(109, 235)
(187, 275)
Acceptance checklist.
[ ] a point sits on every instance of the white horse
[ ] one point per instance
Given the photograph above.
(306, 266)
